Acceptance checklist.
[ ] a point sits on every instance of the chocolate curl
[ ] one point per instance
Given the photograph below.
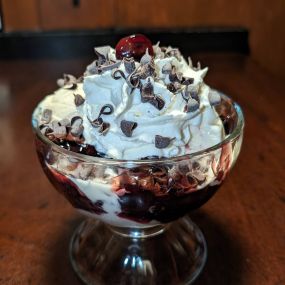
(127, 127)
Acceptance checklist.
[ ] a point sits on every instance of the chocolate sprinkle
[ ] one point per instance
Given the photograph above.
(127, 127)
(46, 116)
(162, 142)
(78, 100)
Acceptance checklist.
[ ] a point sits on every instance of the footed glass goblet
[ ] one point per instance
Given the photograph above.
(137, 231)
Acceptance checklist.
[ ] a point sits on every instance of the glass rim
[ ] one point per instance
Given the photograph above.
(112, 161)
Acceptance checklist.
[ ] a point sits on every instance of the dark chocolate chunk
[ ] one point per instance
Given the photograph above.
(78, 100)
(77, 120)
(104, 128)
(157, 102)
(162, 142)
(127, 127)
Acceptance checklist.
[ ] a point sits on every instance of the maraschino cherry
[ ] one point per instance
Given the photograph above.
(133, 46)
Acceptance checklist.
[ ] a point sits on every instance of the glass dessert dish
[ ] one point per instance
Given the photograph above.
(138, 230)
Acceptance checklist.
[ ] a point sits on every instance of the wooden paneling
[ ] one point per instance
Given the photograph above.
(264, 20)
(19, 15)
(89, 14)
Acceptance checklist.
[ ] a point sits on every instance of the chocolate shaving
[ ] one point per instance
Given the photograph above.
(157, 102)
(127, 127)
(147, 92)
(104, 128)
(162, 142)
(78, 100)
(107, 109)
(214, 98)
(187, 80)
(118, 74)
(192, 106)
(46, 116)
(96, 123)
(70, 86)
(147, 70)
(195, 95)
(129, 64)
(76, 121)
(171, 87)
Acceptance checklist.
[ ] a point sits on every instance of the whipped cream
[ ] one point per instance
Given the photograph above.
(187, 130)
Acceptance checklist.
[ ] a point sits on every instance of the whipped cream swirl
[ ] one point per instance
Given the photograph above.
(180, 110)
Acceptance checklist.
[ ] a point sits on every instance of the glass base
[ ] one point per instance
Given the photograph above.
(171, 254)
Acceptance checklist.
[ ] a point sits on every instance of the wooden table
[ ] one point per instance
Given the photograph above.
(244, 223)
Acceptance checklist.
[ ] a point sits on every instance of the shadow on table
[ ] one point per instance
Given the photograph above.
(224, 264)
(225, 257)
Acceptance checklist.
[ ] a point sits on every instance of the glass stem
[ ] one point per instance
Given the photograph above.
(139, 232)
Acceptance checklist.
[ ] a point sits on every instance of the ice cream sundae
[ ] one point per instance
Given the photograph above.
(139, 139)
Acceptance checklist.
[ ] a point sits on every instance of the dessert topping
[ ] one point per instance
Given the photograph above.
(127, 127)
(162, 142)
(78, 100)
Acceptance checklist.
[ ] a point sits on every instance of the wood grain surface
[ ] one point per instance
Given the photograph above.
(244, 223)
